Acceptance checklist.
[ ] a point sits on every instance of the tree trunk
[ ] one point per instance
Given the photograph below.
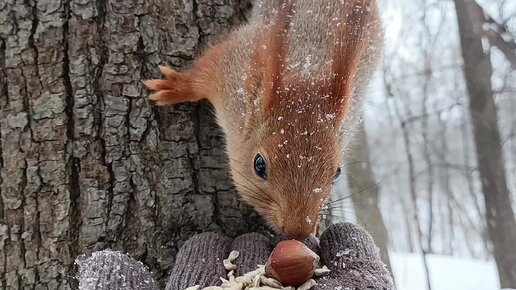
(501, 223)
(87, 162)
(412, 210)
(413, 200)
(445, 186)
(366, 204)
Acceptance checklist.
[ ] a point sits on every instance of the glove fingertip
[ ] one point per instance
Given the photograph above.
(254, 249)
(111, 270)
(312, 242)
(199, 261)
(348, 243)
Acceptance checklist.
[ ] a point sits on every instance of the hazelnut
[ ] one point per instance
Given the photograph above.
(292, 263)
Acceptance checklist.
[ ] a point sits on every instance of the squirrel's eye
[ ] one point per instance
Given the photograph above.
(337, 175)
(260, 167)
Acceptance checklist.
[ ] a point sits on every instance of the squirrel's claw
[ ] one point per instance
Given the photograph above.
(156, 85)
(168, 72)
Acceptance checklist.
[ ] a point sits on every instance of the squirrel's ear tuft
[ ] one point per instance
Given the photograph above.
(350, 43)
(273, 54)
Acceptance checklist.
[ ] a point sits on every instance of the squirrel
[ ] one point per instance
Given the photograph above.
(286, 90)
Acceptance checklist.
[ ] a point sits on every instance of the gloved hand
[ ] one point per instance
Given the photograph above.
(347, 250)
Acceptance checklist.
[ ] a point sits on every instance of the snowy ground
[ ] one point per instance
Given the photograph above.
(447, 273)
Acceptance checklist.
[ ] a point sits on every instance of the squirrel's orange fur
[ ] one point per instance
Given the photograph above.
(286, 86)
(203, 81)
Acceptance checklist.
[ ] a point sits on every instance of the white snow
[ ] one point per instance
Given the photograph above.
(330, 117)
(343, 253)
(308, 63)
(446, 273)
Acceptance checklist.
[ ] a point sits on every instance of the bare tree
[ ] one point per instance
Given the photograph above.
(501, 222)
(413, 199)
(444, 181)
(366, 204)
(86, 161)
(426, 87)
(412, 183)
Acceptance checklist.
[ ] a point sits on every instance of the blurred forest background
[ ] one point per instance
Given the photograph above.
(440, 127)
(88, 163)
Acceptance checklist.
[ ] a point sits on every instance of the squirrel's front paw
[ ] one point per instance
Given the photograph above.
(175, 88)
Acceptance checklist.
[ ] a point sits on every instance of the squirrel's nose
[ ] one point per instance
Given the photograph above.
(299, 235)
(297, 230)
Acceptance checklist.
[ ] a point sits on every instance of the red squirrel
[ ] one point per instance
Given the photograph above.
(286, 89)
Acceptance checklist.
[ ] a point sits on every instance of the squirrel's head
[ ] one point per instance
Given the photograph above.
(290, 159)
(287, 167)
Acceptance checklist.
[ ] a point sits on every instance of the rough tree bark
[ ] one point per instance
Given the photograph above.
(501, 223)
(86, 161)
(366, 204)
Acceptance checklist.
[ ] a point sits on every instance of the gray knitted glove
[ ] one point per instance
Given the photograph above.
(199, 262)
(353, 258)
(345, 248)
